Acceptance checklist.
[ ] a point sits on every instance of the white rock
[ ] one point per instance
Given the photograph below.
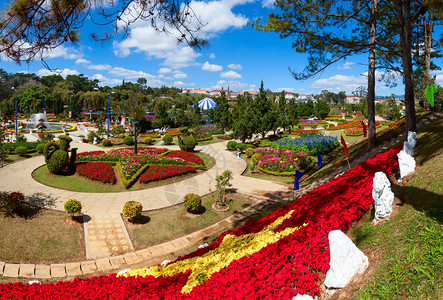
(408, 148)
(165, 262)
(302, 297)
(406, 164)
(382, 195)
(412, 138)
(34, 281)
(123, 272)
(346, 260)
(203, 246)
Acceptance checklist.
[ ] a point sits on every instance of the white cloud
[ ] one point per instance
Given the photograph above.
(212, 56)
(179, 84)
(289, 90)
(180, 75)
(235, 66)
(63, 73)
(439, 79)
(211, 68)
(129, 74)
(82, 61)
(346, 66)
(267, 3)
(164, 70)
(62, 51)
(103, 80)
(99, 67)
(230, 74)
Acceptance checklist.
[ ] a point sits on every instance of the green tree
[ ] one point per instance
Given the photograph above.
(32, 99)
(393, 109)
(243, 125)
(321, 109)
(222, 112)
(282, 110)
(162, 115)
(264, 115)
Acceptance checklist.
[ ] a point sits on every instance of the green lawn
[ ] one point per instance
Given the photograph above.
(167, 224)
(410, 245)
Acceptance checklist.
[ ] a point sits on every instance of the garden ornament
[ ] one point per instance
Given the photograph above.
(382, 195)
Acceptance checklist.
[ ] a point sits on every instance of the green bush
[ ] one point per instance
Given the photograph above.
(232, 145)
(121, 136)
(117, 130)
(40, 147)
(255, 159)
(21, 151)
(148, 141)
(57, 161)
(92, 135)
(132, 209)
(167, 139)
(106, 143)
(187, 142)
(249, 152)
(11, 202)
(192, 202)
(242, 146)
(128, 140)
(64, 141)
(73, 206)
(46, 136)
(224, 137)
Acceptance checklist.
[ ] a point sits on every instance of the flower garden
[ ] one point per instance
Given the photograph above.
(96, 165)
(275, 257)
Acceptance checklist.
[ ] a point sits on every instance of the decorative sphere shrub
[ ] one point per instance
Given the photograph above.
(192, 202)
(73, 206)
(148, 141)
(132, 209)
(40, 147)
(187, 142)
(57, 161)
(20, 150)
(106, 143)
(232, 145)
(128, 140)
(167, 139)
(249, 152)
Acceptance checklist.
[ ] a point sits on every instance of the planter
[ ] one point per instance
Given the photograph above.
(217, 207)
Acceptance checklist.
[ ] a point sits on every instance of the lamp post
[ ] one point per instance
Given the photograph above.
(135, 123)
(16, 122)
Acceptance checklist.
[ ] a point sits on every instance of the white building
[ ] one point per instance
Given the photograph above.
(352, 99)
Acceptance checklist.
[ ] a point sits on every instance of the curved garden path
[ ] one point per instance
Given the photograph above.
(17, 176)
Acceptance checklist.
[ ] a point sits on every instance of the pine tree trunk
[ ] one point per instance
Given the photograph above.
(371, 78)
(405, 27)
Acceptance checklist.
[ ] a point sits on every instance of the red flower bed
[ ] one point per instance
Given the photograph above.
(343, 126)
(304, 131)
(159, 172)
(280, 270)
(96, 171)
(189, 157)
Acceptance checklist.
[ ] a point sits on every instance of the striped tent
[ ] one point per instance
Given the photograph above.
(206, 103)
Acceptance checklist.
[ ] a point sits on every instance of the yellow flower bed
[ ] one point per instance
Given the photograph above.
(232, 248)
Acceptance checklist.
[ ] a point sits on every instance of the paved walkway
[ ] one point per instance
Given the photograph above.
(18, 177)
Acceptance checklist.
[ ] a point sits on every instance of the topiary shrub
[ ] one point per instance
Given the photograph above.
(14, 202)
(148, 141)
(249, 151)
(132, 209)
(57, 161)
(255, 159)
(20, 150)
(121, 136)
(64, 141)
(128, 140)
(167, 139)
(232, 145)
(106, 143)
(40, 147)
(192, 202)
(186, 143)
(73, 206)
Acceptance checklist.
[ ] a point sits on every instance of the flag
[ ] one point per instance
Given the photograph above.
(298, 175)
(365, 133)
(320, 161)
(344, 145)
(429, 94)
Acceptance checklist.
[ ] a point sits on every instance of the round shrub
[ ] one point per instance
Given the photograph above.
(132, 209)
(73, 206)
(249, 152)
(57, 162)
(128, 140)
(187, 142)
(167, 139)
(148, 141)
(242, 146)
(106, 143)
(40, 147)
(121, 136)
(192, 202)
(20, 150)
(232, 145)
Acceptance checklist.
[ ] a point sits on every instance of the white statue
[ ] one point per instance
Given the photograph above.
(412, 138)
(406, 163)
(382, 195)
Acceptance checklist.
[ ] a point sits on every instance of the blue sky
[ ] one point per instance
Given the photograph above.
(238, 56)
